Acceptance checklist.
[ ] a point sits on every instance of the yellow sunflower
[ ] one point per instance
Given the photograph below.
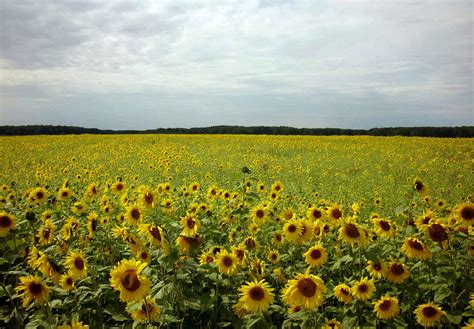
(147, 309)
(386, 308)
(465, 213)
(126, 278)
(274, 256)
(187, 244)
(429, 315)
(376, 269)
(74, 325)
(206, 258)
(134, 214)
(64, 193)
(190, 225)
(240, 252)
(226, 262)
(306, 231)
(437, 232)
(46, 232)
(316, 256)
(118, 187)
(384, 228)
(352, 233)
(343, 293)
(7, 223)
(38, 195)
(314, 213)
(397, 272)
(414, 248)
(256, 296)
(147, 197)
(33, 289)
(305, 290)
(363, 289)
(334, 213)
(420, 187)
(293, 230)
(259, 214)
(67, 282)
(77, 265)
(250, 243)
(332, 324)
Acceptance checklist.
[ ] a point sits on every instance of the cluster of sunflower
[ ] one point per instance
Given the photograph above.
(178, 246)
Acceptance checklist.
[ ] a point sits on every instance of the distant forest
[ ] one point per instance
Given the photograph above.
(465, 131)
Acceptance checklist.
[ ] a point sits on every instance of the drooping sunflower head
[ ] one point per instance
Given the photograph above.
(343, 293)
(126, 278)
(256, 296)
(437, 232)
(429, 315)
(250, 243)
(386, 307)
(33, 289)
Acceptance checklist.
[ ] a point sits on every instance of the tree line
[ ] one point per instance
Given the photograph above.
(452, 132)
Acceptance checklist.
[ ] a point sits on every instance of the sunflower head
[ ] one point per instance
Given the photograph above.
(226, 262)
(429, 315)
(7, 223)
(315, 256)
(256, 296)
(343, 293)
(126, 278)
(386, 307)
(77, 265)
(363, 289)
(305, 290)
(33, 289)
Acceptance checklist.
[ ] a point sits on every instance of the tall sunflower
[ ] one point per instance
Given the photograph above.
(33, 289)
(7, 223)
(414, 248)
(334, 213)
(343, 293)
(126, 278)
(226, 262)
(316, 256)
(190, 225)
(363, 289)
(77, 265)
(429, 315)
(397, 272)
(386, 307)
(256, 296)
(351, 233)
(305, 290)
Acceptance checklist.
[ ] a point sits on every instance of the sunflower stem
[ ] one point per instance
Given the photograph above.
(147, 312)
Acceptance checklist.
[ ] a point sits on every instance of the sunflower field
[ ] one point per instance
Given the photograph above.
(213, 231)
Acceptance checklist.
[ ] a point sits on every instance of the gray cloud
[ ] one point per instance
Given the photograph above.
(302, 63)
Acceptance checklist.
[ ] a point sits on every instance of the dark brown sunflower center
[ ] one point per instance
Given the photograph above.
(415, 244)
(315, 254)
(5, 221)
(69, 281)
(256, 293)
(79, 263)
(119, 187)
(384, 225)
(35, 288)
(64, 194)
(216, 250)
(250, 243)
(227, 261)
(130, 280)
(377, 267)
(397, 269)
(429, 311)
(292, 228)
(144, 255)
(437, 233)
(418, 186)
(363, 288)
(135, 214)
(240, 254)
(317, 214)
(467, 213)
(148, 198)
(40, 195)
(385, 305)
(46, 233)
(336, 213)
(277, 188)
(155, 232)
(351, 231)
(344, 291)
(306, 287)
(273, 256)
(259, 213)
(190, 223)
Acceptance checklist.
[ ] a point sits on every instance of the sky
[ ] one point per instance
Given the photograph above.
(170, 63)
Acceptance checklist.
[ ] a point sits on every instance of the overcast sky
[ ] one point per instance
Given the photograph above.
(126, 65)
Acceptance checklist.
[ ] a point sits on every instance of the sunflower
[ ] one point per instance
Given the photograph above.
(260, 187)
(384, 228)
(91, 191)
(259, 214)
(343, 293)
(351, 233)
(78, 208)
(258, 266)
(288, 214)
(241, 253)
(332, 324)
(155, 235)
(414, 248)
(126, 277)
(92, 222)
(277, 239)
(147, 309)
(143, 255)
(306, 231)
(437, 232)
(77, 265)
(274, 256)
(293, 230)
(118, 187)
(206, 258)
(46, 232)
(316, 256)
(34, 289)
(363, 289)
(147, 197)
(428, 315)
(74, 325)
(256, 296)
(7, 223)
(186, 243)
(212, 192)
(386, 308)
(425, 219)
(134, 214)
(67, 282)
(397, 272)
(226, 262)
(277, 187)
(419, 187)
(250, 243)
(48, 267)
(376, 269)
(305, 290)
(465, 213)
(314, 213)
(38, 195)
(190, 225)
(334, 213)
